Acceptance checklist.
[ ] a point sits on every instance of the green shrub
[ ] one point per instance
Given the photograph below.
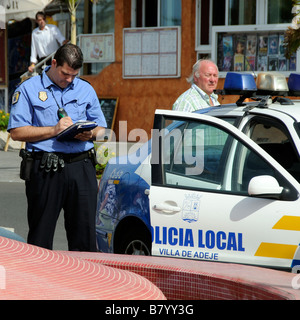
(103, 155)
(4, 117)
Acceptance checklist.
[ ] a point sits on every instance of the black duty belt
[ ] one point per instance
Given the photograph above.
(67, 157)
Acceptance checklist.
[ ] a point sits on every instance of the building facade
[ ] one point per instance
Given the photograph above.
(141, 52)
(156, 43)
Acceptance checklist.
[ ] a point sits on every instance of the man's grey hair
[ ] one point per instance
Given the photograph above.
(195, 70)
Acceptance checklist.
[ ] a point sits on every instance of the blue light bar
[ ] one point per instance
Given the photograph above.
(239, 83)
(294, 83)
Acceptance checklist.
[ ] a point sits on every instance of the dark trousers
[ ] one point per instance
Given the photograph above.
(73, 189)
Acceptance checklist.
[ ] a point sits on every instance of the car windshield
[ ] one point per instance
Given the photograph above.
(274, 138)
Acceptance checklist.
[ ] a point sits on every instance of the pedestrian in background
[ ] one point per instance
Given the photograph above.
(45, 40)
(203, 80)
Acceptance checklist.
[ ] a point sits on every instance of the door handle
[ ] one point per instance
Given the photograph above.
(165, 208)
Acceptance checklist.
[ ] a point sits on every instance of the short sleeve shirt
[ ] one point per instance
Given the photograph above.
(35, 103)
(194, 99)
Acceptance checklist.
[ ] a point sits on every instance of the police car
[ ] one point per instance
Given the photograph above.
(220, 184)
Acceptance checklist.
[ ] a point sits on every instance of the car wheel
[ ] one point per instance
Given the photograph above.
(137, 245)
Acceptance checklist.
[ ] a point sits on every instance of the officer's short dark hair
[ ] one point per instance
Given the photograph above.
(71, 54)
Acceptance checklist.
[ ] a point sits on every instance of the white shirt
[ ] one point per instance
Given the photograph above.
(45, 42)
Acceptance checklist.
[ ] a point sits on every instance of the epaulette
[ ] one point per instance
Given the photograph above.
(84, 80)
(24, 79)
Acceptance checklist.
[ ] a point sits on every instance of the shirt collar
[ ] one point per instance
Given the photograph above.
(203, 94)
(45, 28)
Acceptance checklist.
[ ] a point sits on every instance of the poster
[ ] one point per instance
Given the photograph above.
(281, 44)
(253, 52)
(19, 54)
(262, 63)
(273, 44)
(240, 44)
(282, 64)
(273, 63)
(250, 63)
(263, 45)
(239, 62)
(97, 47)
(251, 45)
(227, 45)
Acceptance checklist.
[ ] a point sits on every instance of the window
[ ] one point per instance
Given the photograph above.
(194, 154)
(156, 13)
(280, 11)
(170, 13)
(220, 22)
(103, 16)
(247, 164)
(218, 12)
(201, 156)
(242, 12)
(103, 21)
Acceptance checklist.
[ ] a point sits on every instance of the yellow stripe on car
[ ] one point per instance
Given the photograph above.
(291, 223)
(276, 250)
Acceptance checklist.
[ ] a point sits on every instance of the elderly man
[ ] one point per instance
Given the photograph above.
(204, 80)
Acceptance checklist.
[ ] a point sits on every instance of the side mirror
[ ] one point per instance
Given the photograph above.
(265, 186)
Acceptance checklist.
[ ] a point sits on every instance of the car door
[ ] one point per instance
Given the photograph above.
(202, 171)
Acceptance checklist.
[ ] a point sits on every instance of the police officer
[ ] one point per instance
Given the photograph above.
(59, 174)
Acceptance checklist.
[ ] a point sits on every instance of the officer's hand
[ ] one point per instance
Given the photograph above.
(63, 124)
(85, 135)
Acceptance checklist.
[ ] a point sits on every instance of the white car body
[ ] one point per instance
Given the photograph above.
(237, 202)
(226, 227)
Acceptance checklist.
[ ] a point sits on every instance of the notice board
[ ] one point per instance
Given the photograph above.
(151, 52)
(99, 47)
(109, 108)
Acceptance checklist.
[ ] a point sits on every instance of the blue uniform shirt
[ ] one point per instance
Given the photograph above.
(33, 104)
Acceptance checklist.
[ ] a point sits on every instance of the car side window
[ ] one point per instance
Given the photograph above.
(201, 156)
(194, 155)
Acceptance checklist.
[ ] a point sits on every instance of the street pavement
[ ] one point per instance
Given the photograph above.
(13, 203)
(10, 166)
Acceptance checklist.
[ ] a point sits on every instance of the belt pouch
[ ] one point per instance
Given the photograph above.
(26, 164)
(25, 168)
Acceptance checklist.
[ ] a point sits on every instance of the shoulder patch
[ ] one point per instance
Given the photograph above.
(15, 97)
